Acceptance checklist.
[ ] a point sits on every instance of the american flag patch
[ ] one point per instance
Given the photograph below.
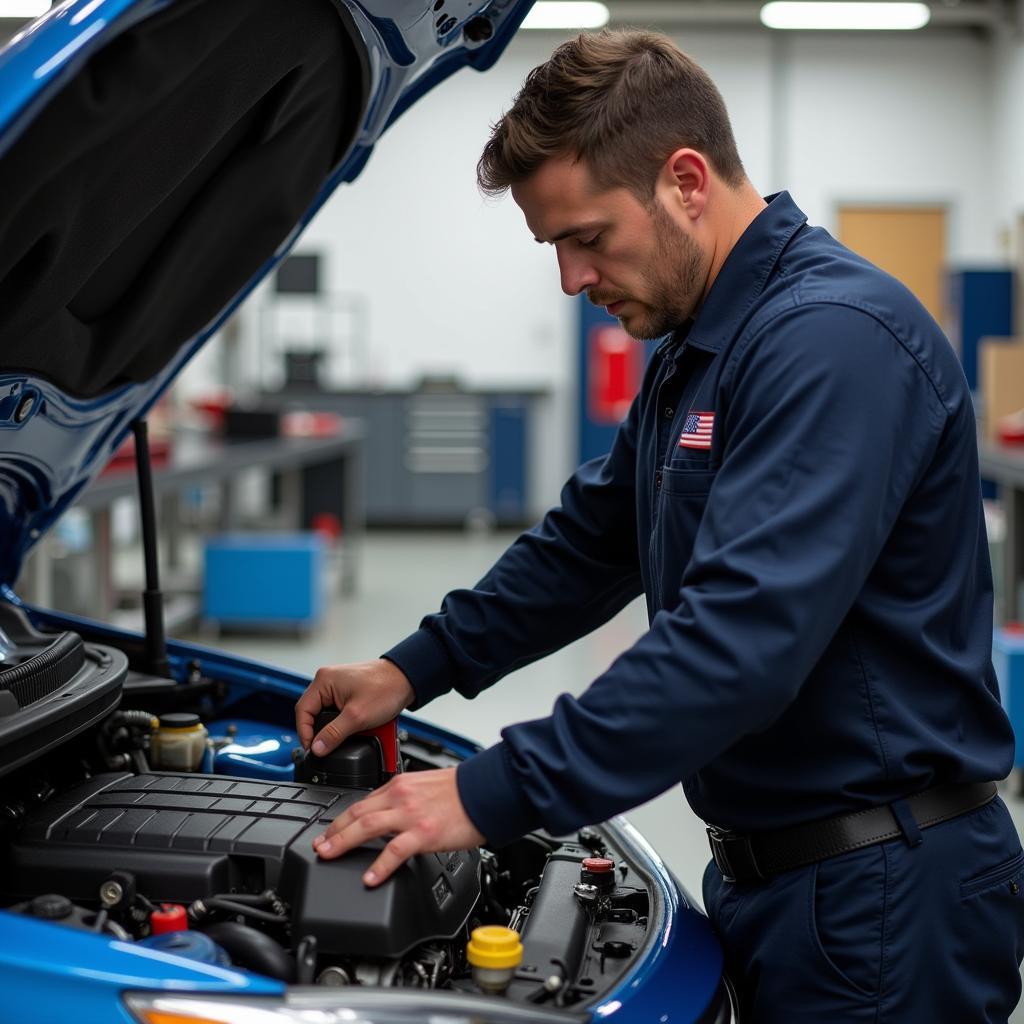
(697, 430)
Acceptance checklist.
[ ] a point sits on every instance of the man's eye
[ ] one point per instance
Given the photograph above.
(589, 243)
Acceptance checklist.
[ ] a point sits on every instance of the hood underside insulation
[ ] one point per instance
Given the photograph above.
(162, 176)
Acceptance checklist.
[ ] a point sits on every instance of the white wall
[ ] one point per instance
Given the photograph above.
(904, 119)
(455, 284)
(1008, 136)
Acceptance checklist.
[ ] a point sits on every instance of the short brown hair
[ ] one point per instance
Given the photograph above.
(620, 101)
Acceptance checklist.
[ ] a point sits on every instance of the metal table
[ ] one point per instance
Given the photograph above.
(316, 474)
(1005, 466)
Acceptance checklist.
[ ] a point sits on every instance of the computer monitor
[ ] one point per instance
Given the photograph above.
(298, 275)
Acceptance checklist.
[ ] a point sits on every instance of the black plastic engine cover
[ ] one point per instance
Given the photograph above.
(431, 896)
(186, 836)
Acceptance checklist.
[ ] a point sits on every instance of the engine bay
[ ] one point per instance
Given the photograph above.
(102, 831)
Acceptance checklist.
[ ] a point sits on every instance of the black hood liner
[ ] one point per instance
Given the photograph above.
(162, 176)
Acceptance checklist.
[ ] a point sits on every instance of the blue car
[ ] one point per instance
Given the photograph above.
(157, 159)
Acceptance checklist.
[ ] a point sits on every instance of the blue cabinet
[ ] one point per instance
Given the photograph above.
(508, 460)
(980, 305)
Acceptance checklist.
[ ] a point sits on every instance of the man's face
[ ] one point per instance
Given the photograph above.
(634, 259)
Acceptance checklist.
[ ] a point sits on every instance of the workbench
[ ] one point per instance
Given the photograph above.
(1005, 466)
(438, 457)
(316, 474)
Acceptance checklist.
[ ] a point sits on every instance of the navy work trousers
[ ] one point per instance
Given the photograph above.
(932, 932)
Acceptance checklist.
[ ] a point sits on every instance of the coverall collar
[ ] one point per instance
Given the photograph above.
(743, 275)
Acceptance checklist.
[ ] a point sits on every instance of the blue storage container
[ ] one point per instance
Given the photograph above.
(1008, 658)
(264, 580)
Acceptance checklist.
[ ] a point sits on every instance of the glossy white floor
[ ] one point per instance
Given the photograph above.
(403, 576)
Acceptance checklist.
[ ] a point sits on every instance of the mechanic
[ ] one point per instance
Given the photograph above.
(796, 492)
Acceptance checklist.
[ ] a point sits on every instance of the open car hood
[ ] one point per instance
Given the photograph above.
(157, 159)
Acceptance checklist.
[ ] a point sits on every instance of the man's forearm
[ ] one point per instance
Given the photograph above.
(553, 585)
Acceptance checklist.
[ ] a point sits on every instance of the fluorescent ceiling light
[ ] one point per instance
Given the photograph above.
(23, 8)
(568, 14)
(806, 14)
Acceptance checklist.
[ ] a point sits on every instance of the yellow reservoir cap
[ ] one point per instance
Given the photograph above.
(494, 947)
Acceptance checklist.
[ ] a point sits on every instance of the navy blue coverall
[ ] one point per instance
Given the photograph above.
(796, 492)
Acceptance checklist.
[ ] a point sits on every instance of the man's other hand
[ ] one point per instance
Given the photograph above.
(367, 693)
(422, 812)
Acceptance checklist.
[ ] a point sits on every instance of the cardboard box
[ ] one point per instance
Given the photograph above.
(1001, 381)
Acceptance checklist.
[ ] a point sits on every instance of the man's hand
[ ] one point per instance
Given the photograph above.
(422, 810)
(367, 693)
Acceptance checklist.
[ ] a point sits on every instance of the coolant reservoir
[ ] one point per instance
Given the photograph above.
(494, 953)
(179, 743)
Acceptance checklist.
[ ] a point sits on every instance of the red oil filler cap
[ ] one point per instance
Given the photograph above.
(168, 917)
(599, 871)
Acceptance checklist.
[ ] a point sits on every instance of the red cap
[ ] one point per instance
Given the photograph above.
(598, 865)
(387, 734)
(171, 917)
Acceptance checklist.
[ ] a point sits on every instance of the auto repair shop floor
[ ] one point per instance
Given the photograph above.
(402, 576)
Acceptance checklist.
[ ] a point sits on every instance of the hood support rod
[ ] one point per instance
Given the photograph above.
(152, 598)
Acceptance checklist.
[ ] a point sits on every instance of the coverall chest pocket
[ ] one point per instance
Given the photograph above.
(682, 498)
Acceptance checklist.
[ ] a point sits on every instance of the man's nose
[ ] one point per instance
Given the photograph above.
(577, 274)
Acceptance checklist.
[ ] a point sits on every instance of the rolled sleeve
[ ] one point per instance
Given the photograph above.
(426, 665)
(492, 797)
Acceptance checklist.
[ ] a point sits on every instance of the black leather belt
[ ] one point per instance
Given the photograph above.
(754, 858)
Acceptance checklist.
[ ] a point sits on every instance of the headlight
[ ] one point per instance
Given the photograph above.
(349, 1006)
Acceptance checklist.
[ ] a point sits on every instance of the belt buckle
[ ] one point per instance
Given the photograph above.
(733, 855)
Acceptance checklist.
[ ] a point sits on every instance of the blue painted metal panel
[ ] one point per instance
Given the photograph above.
(678, 977)
(52, 972)
(190, 944)
(50, 50)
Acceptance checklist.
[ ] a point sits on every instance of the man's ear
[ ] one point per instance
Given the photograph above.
(684, 181)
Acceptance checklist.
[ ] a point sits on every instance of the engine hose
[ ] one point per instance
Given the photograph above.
(252, 949)
(119, 743)
(249, 898)
(267, 897)
(276, 903)
(231, 907)
(143, 719)
(104, 925)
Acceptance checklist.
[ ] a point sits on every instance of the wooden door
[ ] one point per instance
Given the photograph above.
(907, 241)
